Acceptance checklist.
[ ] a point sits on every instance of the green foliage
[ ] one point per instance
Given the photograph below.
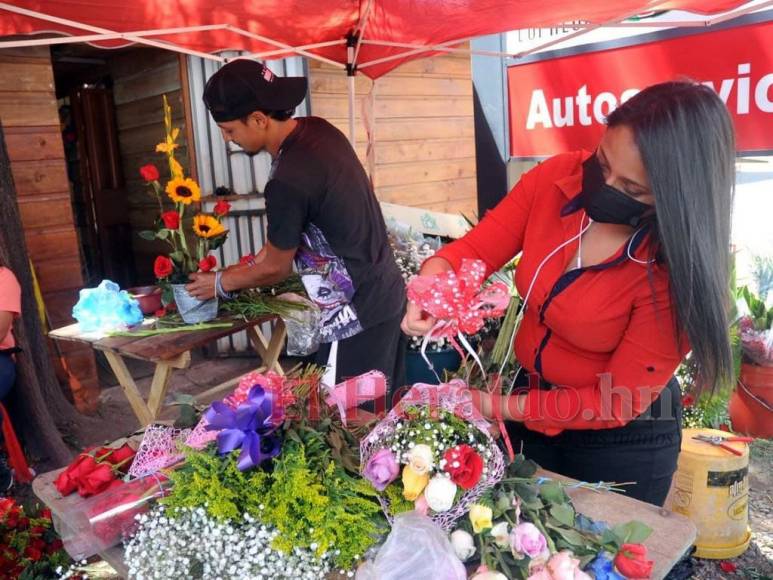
(397, 503)
(760, 314)
(307, 496)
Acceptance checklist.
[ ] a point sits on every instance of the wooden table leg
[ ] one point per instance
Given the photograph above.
(269, 351)
(130, 389)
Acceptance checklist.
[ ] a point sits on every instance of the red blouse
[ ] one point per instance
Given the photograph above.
(603, 335)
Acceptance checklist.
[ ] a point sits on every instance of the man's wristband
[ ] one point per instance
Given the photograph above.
(219, 287)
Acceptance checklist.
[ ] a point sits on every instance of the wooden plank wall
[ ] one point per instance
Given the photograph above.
(28, 111)
(140, 78)
(424, 129)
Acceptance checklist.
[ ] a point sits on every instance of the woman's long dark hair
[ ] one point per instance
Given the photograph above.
(685, 137)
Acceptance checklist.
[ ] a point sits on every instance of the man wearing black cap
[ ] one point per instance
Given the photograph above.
(322, 214)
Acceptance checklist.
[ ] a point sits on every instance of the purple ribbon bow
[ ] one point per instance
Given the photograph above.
(249, 426)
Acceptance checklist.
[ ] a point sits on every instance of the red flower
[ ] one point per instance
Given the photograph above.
(464, 465)
(160, 313)
(632, 561)
(45, 513)
(149, 172)
(6, 505)
(171, 220)
(121, 456)
(38, 530)
(67, 482)
(222, 207)
(724, 427)
(206, 264)
(33, 554)
(688, 400)
(728, 567)
(97, 481)
(163, 267)
(55, 546)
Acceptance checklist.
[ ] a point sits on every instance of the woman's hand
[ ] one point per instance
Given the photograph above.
(416, 321)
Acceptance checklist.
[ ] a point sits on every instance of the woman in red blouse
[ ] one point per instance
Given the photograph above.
(624, 269)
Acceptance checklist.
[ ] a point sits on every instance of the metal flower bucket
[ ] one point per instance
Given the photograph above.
(192, 309)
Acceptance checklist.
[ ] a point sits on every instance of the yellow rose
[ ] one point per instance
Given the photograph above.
(480, 516)
(413, 483)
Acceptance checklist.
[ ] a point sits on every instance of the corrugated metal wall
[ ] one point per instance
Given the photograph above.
(229, 166)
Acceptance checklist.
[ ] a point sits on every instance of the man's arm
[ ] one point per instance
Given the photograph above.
(272, 265)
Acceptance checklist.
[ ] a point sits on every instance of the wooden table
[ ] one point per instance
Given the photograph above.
(672, 536)
(173, 351)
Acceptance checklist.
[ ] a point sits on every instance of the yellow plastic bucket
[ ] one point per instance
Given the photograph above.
(711, 487)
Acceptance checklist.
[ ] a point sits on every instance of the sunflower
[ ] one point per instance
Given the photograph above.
(184, 191)
(206, 226)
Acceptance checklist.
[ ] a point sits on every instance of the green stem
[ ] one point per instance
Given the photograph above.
(154, 332)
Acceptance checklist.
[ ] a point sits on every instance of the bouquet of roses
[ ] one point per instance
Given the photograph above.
(189, 253)
(29, 546)
(432, 453)
(95, 470)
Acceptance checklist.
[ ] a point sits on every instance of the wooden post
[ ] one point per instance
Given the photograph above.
(38, 404)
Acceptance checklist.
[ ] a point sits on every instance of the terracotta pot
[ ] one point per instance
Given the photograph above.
(752, 401)
(149, 298)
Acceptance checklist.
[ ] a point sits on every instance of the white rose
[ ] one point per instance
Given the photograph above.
(463, 544)
(440, 493)
(501, 535)
(420, 459)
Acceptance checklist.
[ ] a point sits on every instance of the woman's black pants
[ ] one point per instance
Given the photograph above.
(644, 451)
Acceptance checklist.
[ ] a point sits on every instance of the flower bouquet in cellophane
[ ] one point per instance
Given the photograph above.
(432, 453)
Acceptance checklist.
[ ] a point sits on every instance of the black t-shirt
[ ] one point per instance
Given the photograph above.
(317, 180)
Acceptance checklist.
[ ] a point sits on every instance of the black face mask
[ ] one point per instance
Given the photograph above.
(607, 204)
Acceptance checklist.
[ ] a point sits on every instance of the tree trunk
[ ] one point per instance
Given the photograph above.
(39, 406)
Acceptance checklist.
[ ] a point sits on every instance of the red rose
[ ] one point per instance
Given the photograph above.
(464, 465)
(160, 313)
(6, 505)
(97, 481)
(688, 401)
(45, 513)
(728, 567)
(171, 220)
(33, 554)
(121, 457)
(162, 267)
(55, 546)
(149, 172)
(222, 207)
(37, 530)
(67, 482)
(632, 561)
(206, 264)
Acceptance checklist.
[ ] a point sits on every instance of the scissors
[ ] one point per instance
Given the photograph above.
(721, 441)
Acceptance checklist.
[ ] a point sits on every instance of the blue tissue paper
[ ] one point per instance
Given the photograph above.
(106, 307)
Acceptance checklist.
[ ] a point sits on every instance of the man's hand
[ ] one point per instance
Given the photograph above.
(202, 285)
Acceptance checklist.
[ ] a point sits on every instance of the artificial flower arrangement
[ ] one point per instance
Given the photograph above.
(271, 491)
(29, 546)
(526, 527)
(432, 453)
(191, 234)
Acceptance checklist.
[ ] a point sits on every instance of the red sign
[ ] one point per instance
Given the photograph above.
(560, 104)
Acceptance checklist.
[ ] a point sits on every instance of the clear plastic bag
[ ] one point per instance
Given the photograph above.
(416, 548)
(302, 327)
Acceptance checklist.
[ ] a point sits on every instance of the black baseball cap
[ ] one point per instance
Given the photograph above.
(243, 86)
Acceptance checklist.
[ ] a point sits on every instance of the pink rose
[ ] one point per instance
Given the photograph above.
(561, 566)
(527, 540)
(421, 505)
(381, 469)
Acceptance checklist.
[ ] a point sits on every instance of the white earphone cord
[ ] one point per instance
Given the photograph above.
(528, 294)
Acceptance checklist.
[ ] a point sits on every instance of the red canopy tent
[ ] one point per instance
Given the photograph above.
(385, 33)
(370, 36)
